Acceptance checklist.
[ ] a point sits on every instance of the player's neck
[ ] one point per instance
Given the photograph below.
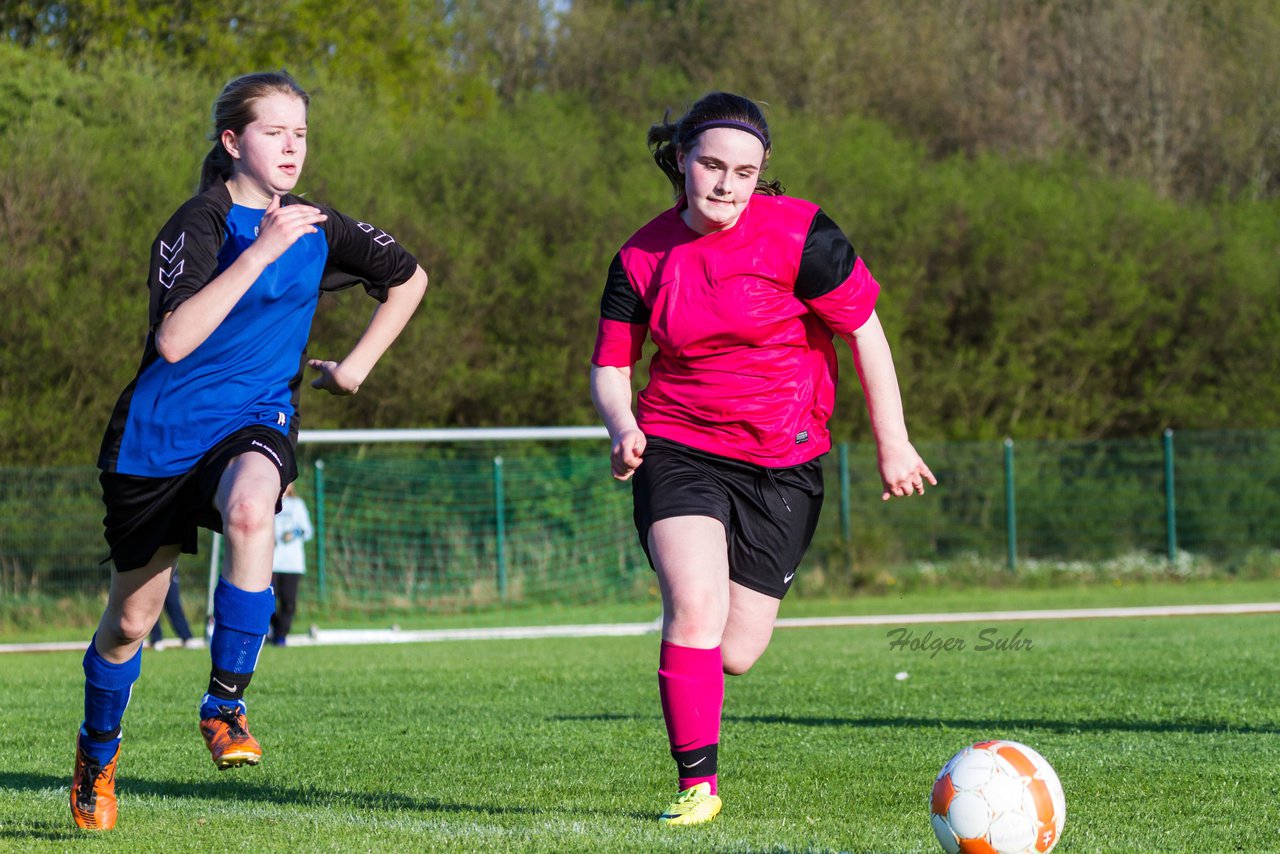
(247, 193)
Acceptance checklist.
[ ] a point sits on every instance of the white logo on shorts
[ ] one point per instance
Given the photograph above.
(267, 451)
(786, 579)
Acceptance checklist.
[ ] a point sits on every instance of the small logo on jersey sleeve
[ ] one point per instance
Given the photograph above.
(382, 238)
(802, 437)
(168, 256)
(167, 252)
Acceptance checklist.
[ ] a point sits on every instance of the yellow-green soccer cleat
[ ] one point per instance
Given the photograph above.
(694, 805)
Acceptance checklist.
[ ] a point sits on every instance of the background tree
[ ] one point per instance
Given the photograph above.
(1072, 207)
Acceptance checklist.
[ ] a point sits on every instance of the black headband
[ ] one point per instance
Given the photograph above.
(731, 123)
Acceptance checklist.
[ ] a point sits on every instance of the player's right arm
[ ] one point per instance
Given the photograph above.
(611, 393)
(624, 320)
(188, 325)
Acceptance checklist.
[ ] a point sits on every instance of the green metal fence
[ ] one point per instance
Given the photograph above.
(486, 524)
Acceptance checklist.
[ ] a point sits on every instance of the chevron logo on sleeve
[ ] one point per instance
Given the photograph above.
(167, 252)
(382, 238)
(167, 276)
(167, 255)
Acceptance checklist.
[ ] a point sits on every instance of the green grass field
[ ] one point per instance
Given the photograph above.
(1163, 730)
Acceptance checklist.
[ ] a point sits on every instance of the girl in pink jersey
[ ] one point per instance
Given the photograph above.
(743, 290)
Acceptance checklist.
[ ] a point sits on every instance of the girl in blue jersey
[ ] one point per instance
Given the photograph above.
(204, 435)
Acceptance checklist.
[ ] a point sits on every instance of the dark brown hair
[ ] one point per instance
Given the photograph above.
(667, 137)
(234, 110)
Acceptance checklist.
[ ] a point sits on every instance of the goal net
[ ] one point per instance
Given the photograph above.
(454, 520)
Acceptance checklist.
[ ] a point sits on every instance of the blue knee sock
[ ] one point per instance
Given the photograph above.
(240, 623)
(107, 688)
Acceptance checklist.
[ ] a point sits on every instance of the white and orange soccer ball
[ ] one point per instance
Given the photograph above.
(997, 797)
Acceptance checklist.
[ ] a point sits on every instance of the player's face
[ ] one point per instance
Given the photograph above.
(720, 173)
(269, 153)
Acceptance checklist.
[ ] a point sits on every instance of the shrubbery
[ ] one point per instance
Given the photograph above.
(1037, 301)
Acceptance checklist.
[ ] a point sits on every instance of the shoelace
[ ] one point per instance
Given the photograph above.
(85, 793)
(230, 715)
(688, 798)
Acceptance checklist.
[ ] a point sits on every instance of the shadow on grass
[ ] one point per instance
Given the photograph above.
(1103, 725)
(46, 831)
(245, 791)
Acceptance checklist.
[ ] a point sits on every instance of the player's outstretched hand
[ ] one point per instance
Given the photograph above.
(331, 378)
(628, 453)
(903, 472)
(281, 227)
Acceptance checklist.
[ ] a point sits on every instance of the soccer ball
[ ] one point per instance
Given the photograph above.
(997, 797)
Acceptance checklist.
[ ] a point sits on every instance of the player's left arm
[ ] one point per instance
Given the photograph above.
(365, 254)
(835, 283)
(902, 471)
(388, 321)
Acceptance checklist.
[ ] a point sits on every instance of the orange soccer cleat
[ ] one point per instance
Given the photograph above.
(93, 791)
(228, 738)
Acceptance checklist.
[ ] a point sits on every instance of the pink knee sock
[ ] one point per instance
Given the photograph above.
(691, 683)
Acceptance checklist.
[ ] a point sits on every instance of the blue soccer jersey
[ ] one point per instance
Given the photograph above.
(248, 371)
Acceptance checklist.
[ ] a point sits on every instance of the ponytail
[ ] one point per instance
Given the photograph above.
(662, 144)
(217, 166)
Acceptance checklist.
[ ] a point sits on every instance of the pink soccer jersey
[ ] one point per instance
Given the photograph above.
(743, 321)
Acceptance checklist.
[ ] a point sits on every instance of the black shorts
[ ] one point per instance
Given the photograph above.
(769, 514)
(145, 513)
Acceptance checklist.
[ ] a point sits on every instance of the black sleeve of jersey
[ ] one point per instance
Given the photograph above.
(620, 301)
(827, 261)
(363, 254)
(184, 256)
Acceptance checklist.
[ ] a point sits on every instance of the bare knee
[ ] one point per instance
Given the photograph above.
(737, 663)
(124, 629)
(247, 519)
(691, 628)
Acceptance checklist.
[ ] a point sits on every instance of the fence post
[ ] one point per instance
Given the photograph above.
(1010, 510)
(321, 551)
(846, 524)
(500, 526)
(1170, 506)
